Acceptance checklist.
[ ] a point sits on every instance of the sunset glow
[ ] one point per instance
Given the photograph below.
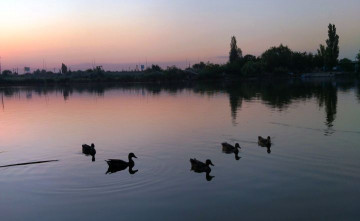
(118, 32)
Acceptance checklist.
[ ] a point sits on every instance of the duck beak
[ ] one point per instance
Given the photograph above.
(212, 164)
(135, 157)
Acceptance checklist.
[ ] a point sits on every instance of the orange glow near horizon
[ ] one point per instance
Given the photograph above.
(76, 32)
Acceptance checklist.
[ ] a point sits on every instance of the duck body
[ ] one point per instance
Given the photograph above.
(264, 142)
(201, 167)
(89, 150)
(118, 163)
(228, 148)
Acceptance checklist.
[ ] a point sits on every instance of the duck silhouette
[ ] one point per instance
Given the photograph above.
(200, 167)
(116, 165)
(89, 150)
(230, 149)
(264, 142)
(226, 147)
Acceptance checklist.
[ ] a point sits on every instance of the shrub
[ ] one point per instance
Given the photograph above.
(252, 68)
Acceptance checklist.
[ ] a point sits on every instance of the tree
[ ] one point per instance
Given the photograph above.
(252, 68)
(199, 66)
(319, 59)
(346, 65)
(156, 68)
(332, 48)
(6, 72)
(248, 58)
(277, 57)
(235, 52)
(302, 61)
(64, 69)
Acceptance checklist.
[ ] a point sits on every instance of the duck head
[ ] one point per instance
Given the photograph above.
(132, 155)
(208, 162)
(268, 139)
(92, 145)
(237, 146)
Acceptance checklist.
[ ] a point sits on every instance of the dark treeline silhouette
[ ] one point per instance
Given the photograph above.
(278, 61)
(278, 95)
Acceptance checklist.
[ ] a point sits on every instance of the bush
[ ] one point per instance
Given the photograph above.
(252, 68)
(281, 71)
(346, 65)
(277, 57)
(233, 68)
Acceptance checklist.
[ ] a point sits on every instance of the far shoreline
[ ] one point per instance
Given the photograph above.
(154, 78)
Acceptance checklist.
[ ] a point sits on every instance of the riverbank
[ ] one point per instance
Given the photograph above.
(175, 75)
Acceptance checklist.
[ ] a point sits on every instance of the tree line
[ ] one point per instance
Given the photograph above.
(276, 61)
(281, 60)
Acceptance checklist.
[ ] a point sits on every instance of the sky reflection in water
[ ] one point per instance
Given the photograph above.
(312, 171)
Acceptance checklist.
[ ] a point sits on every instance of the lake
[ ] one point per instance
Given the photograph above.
(311, 172)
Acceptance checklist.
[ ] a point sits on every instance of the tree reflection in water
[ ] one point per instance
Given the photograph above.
(277, 94)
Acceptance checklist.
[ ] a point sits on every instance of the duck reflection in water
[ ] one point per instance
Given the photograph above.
(116, 165)
(200, 167)
(230, 149)
(262, 142)
(89, 150)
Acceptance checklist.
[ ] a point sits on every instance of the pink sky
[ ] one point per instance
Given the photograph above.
(127, 32)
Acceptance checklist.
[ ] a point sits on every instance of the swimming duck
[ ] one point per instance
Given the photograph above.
(200, 167)
(264, 142)
(89, 150)
(86, 149)
(118, 165)
(228, 148)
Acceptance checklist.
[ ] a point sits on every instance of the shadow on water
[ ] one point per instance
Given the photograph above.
(278, 95)
(29, 163)
(115, 169)
(268, 147)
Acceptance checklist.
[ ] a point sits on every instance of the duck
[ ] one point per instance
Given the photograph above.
(89, 150)
(116, 165)
(264, 142)
(228, 148)
(201, 167)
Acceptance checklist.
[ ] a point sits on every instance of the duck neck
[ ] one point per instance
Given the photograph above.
(131, 162)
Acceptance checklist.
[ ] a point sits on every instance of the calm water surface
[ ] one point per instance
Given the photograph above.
(312, 172)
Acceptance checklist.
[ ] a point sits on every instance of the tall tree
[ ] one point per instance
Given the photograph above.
(332, 47)
(235, 52)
